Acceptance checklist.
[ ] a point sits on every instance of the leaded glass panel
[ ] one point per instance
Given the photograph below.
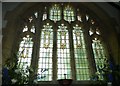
(55, 13)
(69, 14)
(25, 53)
(99, 55)
(45, 54)
(63, 53)
(81, 60)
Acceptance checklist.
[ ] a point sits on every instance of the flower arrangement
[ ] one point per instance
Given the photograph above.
(109, 73)
(103, 71)
(13, 74)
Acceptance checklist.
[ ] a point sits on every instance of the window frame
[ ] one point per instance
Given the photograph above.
(54, 51)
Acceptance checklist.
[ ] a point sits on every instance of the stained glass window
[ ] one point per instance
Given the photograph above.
(91, 31)
(63, 53)
(81, 61)
(55, 13)
(87, 17)
(69, 14)
(99, 55)
(25, 52)
(61, 43)
(32, 29)
(36, 14)
(25, 29)
(45, 54)
(44, 16)
(79, 18)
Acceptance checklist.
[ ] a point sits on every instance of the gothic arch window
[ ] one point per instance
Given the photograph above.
(57, 39)
(25, 53)
(98, 49)
(99, 55)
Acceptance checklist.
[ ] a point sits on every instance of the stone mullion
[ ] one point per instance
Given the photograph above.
(54, 58)
(72, 54)
(36, 45)
(88, 42)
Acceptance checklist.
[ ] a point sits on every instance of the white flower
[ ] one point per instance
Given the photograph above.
(35, 81)
(14, 81)
(17, 71)
(8, 68)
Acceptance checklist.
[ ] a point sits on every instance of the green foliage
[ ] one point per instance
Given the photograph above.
(17, 74)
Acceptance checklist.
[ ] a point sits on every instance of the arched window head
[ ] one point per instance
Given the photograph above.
(69, 14)
(55, 13)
